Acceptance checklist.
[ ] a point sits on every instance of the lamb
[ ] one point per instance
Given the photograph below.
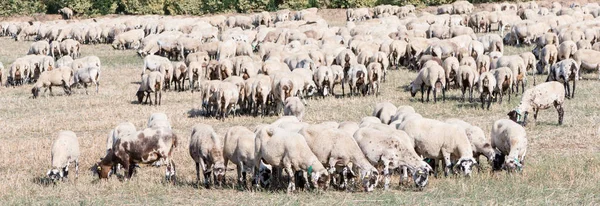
(151, 83)
(239, 148)
(510, 139)
(487, 86)
(157, 120)
(437, 140)
(206, 148)
(145, 147)
(479, 142)
(565, 71)
(466, 77)
(540, 97)
(432, 75)
(504, 79)
(65, 151)
(86, 76)
(289, 151)
(384, 111)
(294, 106)
(336, 148)
(587, 60)
(54, 77)
(390, 151)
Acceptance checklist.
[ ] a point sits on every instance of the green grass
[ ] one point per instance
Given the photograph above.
(563, 162)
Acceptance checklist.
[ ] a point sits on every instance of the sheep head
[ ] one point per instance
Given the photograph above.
(518, 116)
(319, 179)
(512, 164)
(465, 164)
(219, 173)
(35, 91)
(370, 178)
(140, 96)
(55, 174)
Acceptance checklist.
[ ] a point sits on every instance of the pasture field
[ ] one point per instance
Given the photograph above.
(562, 167)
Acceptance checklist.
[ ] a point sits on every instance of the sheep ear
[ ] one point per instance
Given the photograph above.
(49, 172)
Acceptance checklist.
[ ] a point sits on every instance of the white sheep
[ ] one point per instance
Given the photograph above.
(55, 77)
(335, 148)
(294, 106)
(389, 151)
(158, 120)
(540, 97)
(239, 148)
(65, 151)
(151, 83)
(290, 152)
(510, 139)
(384, 111)
(86, 76)
(431, 76)
(486, 85)
(438, 140)
(206, 148)
(479, 142)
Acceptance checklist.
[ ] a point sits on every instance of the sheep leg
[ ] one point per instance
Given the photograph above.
(573, 90)
(567, 87)
(561, 112)
(76, 169)
(85, 87)
(387, 175)
(535, 114)
(448, 164)
(240, 174)
(291, 185)
(481, 97)
(471, 94)
(422, 91)
(197, 173)
(464, 89)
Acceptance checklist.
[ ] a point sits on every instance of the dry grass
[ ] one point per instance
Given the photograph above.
(563, 165)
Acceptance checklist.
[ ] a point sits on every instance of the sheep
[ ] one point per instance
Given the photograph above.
(389, 151)
(487, 86)
(65, 151)
(123, 129)
(84, 62)
(438, 140)
(180, 71)
(466, 77)
(206, 149)
(335, 148)
(227, 98)
(19, 72)
(294, 106)
(384, 111)
(66, 13)
(65, 61)
(151, 83)
(450, 65)
(479, 142)
(432, 75)
(566, 50)
(70, 47)
(39, 48)
(128, 40)
(239, 148)
(510, 139)
(587, 60)
(159, 120)
(290, 152)
(504, 80)
(401, 112)
(548, 56)
(540, 97)
(85, 76)
(565, 71)
(142, 147)
(54, 77)
(529, 60)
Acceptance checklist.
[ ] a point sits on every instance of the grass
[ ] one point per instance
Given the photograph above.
(563, 162)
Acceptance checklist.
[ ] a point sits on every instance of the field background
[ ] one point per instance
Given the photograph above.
(562, 164)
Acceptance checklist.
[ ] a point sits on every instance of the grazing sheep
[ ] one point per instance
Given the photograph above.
(227, 98)
(86, 76)
(450, 65)
(487, 86)
(466, 77)
(432, 75)
(438, 140)
(39, 48)
(65, 61)
(65, 151)
(504, 80)
(389, 151)
(66, 13)
(548, 56)
(335, 148)
(384, 111)
(159, 120)
(123, 129)
(70, 47)
(151, 83)
(295, 107)
(290, 152)
(54, 77)
(530, 65)
(142, 147)
(84, 62)
(565, 71)
(239, 148)
(479, 142)
(510, 139)
(180, 71)
(540, 97)
(206, 148)
(587, 59)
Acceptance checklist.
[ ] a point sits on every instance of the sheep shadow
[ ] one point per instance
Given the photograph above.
(194, 113)
(136, 82)
(43, 181)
